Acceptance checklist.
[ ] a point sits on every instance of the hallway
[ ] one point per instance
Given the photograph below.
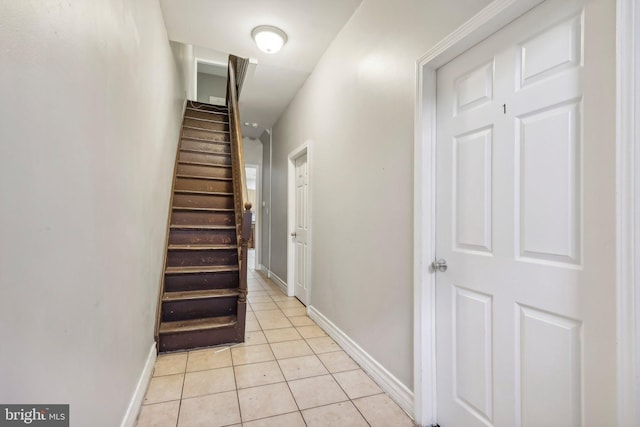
(287, 373)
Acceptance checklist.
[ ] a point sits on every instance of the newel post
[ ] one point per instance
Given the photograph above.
(244, 243)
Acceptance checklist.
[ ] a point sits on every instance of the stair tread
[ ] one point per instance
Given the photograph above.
(201, 247)
(197, 324)
(208, 141)
(206, 130)
(225, 122)
(212, 178)
(192, 105)
(194, 150)
(215, 193)
(202, 227)
(201, 294)
(201, 269)
(188, 208)
(226, 113)
(189, 162)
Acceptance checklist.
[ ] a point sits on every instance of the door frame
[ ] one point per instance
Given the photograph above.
(257, 210)
(304, 148)
(197, 60)
(492, 18)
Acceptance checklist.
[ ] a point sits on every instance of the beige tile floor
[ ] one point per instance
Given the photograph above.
(287, 373)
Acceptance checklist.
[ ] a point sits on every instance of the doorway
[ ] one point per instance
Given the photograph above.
(299, 224)
(253, 175)
(520, 207)
(210, 82)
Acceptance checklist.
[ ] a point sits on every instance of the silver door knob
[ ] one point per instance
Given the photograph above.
(294, 234)
(439, 265)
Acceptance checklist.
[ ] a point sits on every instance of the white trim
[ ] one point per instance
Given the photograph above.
(269, 210)
(195, 79)
(486, 22)
(399, 392)
(135, 403)
(248, 76)
(489, 20)
(195, 74)
(304, 148)
(257, 209)
(277, 280)
(627, 195)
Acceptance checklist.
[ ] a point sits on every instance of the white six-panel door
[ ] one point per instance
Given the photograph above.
(525, 312)
(301, 227)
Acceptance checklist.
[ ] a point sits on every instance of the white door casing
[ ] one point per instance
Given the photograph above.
(299, 224)
(525, 214)
(257, 211)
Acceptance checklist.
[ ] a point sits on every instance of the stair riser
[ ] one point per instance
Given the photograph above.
(187, 258)
(209, 171)
(195, 309)
(202, 237)
(211, 147)
(203, 124)
(206, 115)
(203, 134)
(196, 339)
(214, 159)
(204, 185)
(202, 218)
(201, 281)
(206, 107)
(203, 201)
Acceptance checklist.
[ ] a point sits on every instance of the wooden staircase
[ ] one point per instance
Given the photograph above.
(203, 296)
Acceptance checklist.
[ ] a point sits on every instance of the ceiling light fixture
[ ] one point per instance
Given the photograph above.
(268, 38)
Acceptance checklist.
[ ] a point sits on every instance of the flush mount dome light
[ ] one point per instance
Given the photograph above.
(269, 39)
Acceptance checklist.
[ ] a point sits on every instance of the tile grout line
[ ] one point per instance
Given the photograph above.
(315, 354)
(233, 365)
(278, 364)
(286, 381)
(184, 379)
(351, 400)
(342, 388)
(235, 381)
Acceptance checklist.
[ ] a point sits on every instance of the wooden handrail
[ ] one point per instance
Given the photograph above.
(242, 205)
(235, 128)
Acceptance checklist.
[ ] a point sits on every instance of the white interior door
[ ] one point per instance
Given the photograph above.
(525, 312)
(301, 227)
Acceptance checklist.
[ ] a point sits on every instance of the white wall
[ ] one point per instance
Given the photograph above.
(252, 151)
(183, 55)
(357, 108)
(210, 85)
(210, 55)
(90, 113)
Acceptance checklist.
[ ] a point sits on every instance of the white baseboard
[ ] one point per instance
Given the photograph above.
(278, 281)
(273, 276)
(390, 384)
(261, 267)
(133, 410)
